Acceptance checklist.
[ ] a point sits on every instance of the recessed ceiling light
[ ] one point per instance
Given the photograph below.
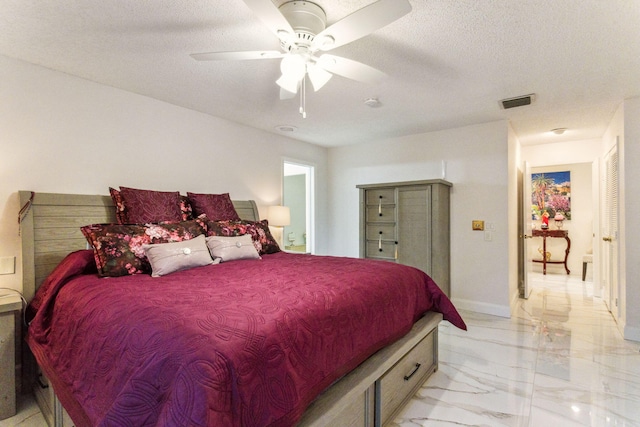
(372, 102)
(559, 131)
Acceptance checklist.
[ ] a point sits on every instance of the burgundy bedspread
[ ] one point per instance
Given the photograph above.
(243, 343)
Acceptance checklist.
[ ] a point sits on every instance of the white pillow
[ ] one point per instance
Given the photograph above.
(232, 248)
(166, 258)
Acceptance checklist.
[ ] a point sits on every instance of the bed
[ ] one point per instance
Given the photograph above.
(276, 350)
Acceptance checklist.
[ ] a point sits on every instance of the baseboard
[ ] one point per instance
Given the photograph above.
(482, 307)
(630, 333)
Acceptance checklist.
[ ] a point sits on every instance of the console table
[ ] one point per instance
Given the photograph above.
(564, 234)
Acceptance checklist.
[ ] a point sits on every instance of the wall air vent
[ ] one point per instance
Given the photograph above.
(517, 101)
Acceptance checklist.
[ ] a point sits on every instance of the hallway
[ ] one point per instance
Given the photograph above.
(559, 361)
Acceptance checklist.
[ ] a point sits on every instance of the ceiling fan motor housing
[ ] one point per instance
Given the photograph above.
(307, 19)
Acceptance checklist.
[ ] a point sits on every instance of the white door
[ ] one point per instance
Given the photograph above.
(525, 227)
(610, 233)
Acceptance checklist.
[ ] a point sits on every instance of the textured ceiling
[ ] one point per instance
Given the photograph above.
(448, 62)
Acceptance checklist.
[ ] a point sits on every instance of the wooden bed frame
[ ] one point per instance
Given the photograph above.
(370, 395)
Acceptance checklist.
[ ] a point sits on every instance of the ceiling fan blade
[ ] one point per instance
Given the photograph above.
(249, 54)
(360, 23)
(350, 69)
(270, 15)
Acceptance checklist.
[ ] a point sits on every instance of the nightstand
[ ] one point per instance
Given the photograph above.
(9, 306)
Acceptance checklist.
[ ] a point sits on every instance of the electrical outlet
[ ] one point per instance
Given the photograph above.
(488, 236)
(477, 225)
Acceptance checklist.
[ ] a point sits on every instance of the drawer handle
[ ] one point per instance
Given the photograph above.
(413, 372)
(380, 242)
(41, 383)
(380, 206)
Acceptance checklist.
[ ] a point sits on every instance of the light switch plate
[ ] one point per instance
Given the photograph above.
(477, 225)
(8, 265)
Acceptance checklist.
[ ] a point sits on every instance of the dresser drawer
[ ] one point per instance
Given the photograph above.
(384, 231)
(384, 213)
(402, 381)
(386, 250)
(384, 196)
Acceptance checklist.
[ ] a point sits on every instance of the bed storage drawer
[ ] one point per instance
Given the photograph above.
(43, 393)
(52, 410)
(402, 381)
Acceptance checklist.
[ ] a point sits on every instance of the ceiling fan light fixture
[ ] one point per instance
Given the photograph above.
(287, 83)
(293, 66)
(318, 76)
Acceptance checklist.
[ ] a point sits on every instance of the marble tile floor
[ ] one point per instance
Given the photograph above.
(28, 415)
(559, 361)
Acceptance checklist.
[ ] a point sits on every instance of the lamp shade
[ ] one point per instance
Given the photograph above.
(278, 216)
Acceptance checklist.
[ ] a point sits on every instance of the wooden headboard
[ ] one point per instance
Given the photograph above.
(50, 229)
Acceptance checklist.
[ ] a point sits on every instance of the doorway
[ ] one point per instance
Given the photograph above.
(577, 221)
(297, 190)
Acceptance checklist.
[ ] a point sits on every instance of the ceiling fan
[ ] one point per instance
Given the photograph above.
(301, 28)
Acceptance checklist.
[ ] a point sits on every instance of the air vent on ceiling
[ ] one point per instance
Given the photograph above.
(517, 101)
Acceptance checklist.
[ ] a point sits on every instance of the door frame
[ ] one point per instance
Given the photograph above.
(609, 243)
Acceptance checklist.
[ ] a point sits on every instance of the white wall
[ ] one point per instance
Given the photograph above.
(59, 133)
(476, 163)
(560, 153)
(625, 128)
(630, 212)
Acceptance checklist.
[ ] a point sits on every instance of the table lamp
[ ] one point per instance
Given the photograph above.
(279, 217)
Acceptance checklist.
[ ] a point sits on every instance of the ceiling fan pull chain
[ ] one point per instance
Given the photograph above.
(303, 98)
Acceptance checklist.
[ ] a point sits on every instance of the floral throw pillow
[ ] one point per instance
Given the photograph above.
(217, 207)
(259, 230)
(118, 248)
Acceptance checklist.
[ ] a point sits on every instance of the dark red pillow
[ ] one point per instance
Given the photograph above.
(146, 206)
(217, 207)
(119, 203)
